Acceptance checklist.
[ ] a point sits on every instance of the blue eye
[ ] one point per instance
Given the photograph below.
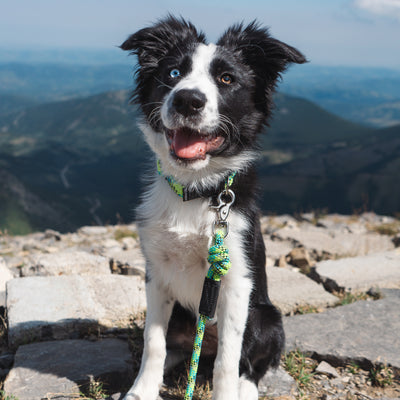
(175, 73)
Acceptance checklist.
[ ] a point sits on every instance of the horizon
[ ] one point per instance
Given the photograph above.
(348, 33)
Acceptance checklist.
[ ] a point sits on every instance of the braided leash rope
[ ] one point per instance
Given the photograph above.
(218, 257)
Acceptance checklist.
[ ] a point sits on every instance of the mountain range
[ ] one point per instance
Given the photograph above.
(79, 161)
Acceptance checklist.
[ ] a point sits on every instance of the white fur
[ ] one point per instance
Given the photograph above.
(200, 79)
(247, 389)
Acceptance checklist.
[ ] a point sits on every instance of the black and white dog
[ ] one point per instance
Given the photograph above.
(204, 105)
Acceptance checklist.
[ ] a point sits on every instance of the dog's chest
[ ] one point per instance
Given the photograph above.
(175, 237)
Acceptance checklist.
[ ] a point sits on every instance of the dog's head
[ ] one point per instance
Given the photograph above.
(205, 103)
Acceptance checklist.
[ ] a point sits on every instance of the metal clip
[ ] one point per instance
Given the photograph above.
(225, 200)
(224, 205)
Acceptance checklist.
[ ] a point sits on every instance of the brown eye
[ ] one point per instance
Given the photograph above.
(226, 79)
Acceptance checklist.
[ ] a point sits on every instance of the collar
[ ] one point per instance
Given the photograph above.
(186, 194)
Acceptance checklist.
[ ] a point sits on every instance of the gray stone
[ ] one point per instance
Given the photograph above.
(66, 263)
(338, 243)
(365, 332)
(277, 248)
(290, 290)
(66, 306)
(129, 262)
(93, 230)
(277, 383)
(380, 270)
(61, 369)
(5, 276)
(326, 369)
(300, 258)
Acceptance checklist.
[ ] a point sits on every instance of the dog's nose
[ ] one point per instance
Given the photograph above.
(189, 102)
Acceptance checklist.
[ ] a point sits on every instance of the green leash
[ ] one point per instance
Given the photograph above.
(218, 257)
(220, 263)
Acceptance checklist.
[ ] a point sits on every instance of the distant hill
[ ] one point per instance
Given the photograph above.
(46, 82)
(361, 176)
(355, 93)
(11, 102)
(84, 158)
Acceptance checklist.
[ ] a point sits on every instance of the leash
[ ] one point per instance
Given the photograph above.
(218, 257)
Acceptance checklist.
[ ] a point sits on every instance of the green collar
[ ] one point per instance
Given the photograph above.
(184, 193)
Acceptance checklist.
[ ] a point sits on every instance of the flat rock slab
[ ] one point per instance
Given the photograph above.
(66, 306)
(380, 270)
(366, 332)
(344, 244)
(290, 290)
(61, 369)
(67, 263)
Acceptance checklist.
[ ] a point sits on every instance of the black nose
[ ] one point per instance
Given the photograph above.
(189, 102)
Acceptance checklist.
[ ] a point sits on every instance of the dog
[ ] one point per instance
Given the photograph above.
(203, 106)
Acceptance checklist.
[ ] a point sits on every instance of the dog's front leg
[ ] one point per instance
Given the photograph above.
(232, 317)
(150, 377)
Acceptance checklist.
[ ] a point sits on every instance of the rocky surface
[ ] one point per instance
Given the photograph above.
(72, 299)
(356, 274)
(67, 306)
(63, 369)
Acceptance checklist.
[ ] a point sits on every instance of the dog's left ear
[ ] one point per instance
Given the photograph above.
(268, 57)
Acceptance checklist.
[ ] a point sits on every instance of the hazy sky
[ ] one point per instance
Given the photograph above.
(330, 32)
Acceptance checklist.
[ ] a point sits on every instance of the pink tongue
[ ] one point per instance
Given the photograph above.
(189, 146)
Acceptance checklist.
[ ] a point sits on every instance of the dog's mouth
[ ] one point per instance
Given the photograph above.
(189, 144)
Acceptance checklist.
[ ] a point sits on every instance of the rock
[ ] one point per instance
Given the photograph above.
(326, 369)
(93, 230)
(281, 262)
(60, 368)
(66, 263)
(277, 248)
(5, 276)
(365, 332)
(68, 306)
(338, 243)
(277, 383)
(396, 240)
(299, 257)
(127, 262)
(380, 270)
(51, 234)
(290, 290)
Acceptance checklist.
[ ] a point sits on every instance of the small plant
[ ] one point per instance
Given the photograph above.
(95, 391)
(299, 367)
(4, 396)
(346, 298)
(381, 376)
(201, 391)
(121, 233)
(390, 228)
(307, 310)
(353, 368)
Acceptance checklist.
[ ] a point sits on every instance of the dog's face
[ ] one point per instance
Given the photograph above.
(205, 103)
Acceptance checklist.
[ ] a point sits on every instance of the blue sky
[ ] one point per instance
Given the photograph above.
(329, 32)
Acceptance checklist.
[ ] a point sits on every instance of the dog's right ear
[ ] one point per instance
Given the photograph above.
(152, 44)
